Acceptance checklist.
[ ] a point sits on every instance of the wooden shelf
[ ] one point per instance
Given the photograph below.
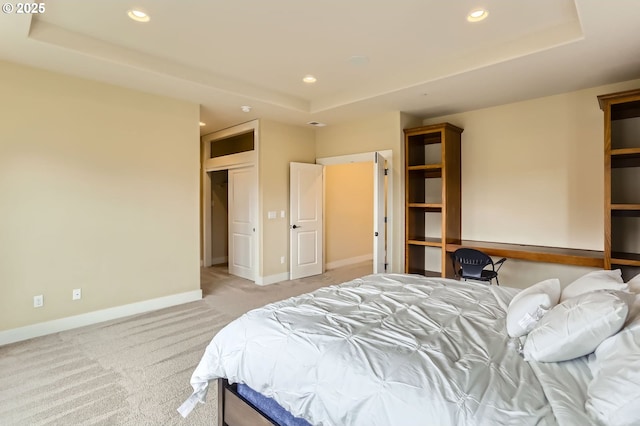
(625, 259)
(623, 104)
(625, 152)
(424, 272)
(565, 256)
(431, 152)
(428, 207)
(625, 206)
(622, 150)
(428, 170)
(625, 157)
(425, 167)
(432, 131)
(623, 111)
(628, 210)
(425, 241)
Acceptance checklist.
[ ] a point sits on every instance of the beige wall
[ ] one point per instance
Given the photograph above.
(532, 173)
(99, 190)
(377, 133)
(348, 211)
(280, 144)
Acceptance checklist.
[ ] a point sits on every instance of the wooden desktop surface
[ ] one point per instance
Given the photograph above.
(566, 256)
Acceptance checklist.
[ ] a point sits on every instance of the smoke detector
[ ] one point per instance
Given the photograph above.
(316, 123)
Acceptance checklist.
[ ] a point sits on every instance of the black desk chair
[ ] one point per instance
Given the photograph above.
(470, 264)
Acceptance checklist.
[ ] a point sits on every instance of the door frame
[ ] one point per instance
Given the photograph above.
(361, 158)
(380, 171)
(227, 162)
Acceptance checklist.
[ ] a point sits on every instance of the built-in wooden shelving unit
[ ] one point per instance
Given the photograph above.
(622, 180)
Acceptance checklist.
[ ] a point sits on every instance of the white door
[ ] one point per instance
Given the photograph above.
(305, 213)
(242, 186)
(379, 213)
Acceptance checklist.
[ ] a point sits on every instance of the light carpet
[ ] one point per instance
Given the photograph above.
(136, 370)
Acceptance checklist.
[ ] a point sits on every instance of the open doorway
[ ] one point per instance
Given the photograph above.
(230, 218)
(357, 214)
(219, 216)
(348, 213)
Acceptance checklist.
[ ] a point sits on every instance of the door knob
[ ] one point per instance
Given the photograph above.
(295, 226)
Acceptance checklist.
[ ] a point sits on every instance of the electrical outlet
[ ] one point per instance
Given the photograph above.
(281, 259)
(76, 294)
(38, 301)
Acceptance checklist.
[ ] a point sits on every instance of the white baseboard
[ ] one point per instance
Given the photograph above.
(272, 279)
(349, 261)
(68, 323)
(284, 276)
(219, 260)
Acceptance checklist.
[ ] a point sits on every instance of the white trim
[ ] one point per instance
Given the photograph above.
(240, 159)
(68, 323)
(233, 161)
(272, 279)
(344, 159)
(350, 261)
(365, 157)
(245, 127)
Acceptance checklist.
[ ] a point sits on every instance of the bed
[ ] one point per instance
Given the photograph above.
(398, 349)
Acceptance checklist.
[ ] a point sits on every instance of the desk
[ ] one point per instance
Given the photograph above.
(565, 256)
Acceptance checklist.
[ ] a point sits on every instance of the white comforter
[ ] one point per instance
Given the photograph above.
(387, 349)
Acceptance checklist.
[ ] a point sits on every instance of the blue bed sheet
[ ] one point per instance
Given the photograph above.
(270, 407)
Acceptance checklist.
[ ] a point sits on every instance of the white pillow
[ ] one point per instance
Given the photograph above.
(634, 284)
(597, 280)
(527, 307)
(576, 326)
(634, 308)
(621, 344)
(614, 392)
(634, 288)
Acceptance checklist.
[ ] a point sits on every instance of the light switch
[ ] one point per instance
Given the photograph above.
(271, 215)
(282, 214)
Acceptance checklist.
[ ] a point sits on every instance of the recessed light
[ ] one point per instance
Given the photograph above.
(138, 15)
(309, 79)
(316, 123)
(477, 15)
(202, 124)
(245, 108)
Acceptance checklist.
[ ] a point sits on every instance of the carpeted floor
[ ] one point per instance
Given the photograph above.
(136, 370)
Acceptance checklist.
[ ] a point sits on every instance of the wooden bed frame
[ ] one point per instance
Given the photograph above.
(234, 410)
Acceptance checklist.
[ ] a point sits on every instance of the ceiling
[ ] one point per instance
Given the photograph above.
(369, 56)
